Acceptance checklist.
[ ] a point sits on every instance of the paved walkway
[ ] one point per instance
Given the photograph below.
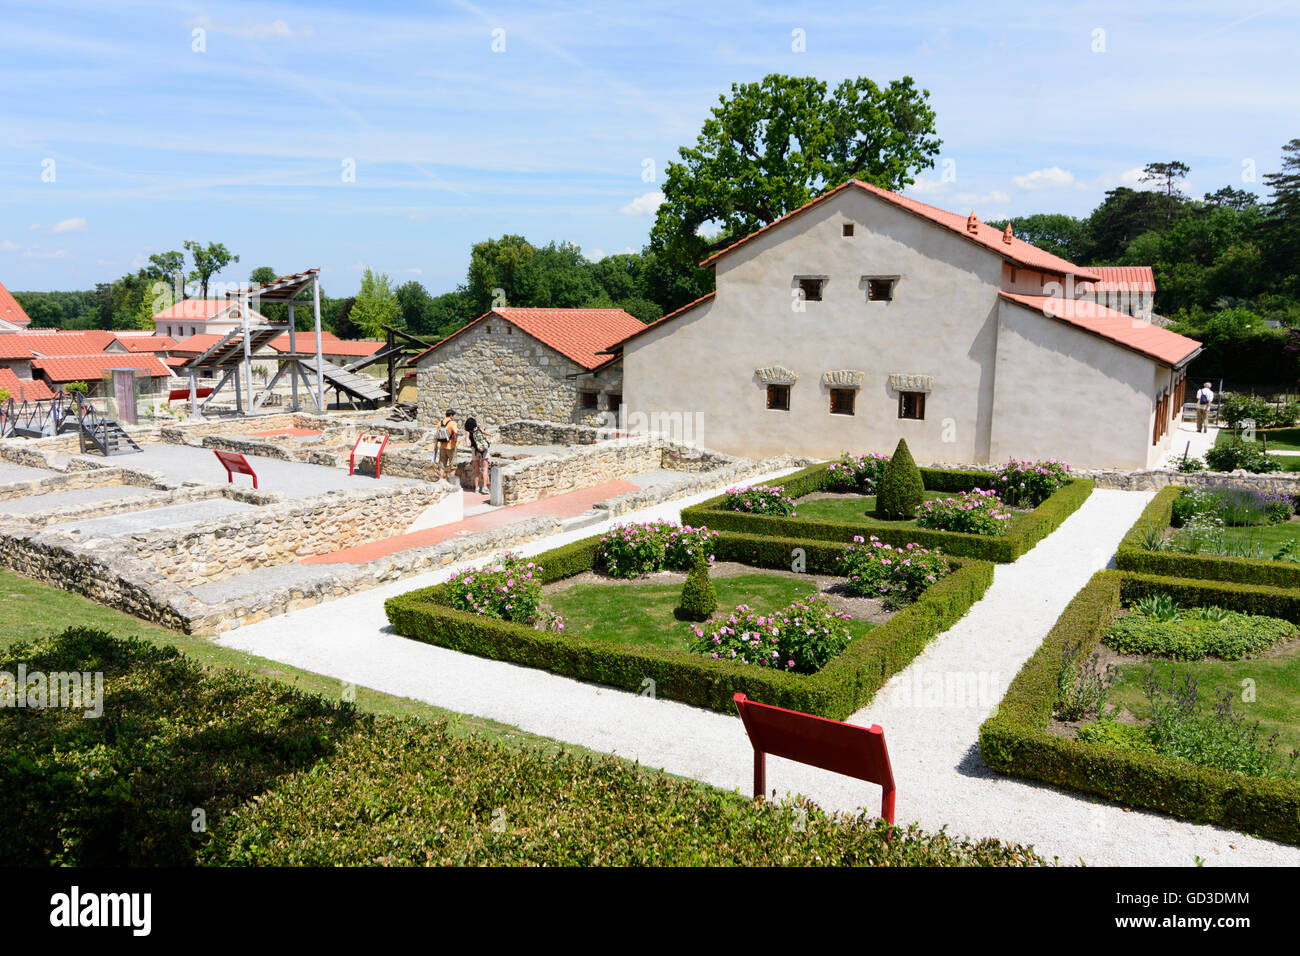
(1187, 439)
(568, 505)
(933, 743)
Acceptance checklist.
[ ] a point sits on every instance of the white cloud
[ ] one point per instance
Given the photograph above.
(595, 254)
(55, 254)
(8, 245)
(926, 187)
(643, 205)
(69, 225)
(416, 272)
(1053, 177)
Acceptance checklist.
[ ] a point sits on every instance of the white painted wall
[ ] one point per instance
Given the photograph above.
(943, 321)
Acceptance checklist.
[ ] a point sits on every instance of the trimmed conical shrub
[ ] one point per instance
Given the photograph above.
(901, 491)
(699, 599)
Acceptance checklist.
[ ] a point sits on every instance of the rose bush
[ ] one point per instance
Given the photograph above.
(759, 500)
(507, 589)
(860, 473)
(631, 550)
(876, 569)
(1030, 483)
(801, 638)
(972, 512)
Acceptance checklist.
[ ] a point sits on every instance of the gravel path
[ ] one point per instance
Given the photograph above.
(933, 742)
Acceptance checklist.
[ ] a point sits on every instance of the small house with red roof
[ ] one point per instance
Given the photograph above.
(203, 316)
(866, 316)
(12, 316)
(547, 364)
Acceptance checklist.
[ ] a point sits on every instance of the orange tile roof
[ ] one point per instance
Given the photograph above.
(331, 344)
(577, 334)
(148, 343)
(197, 309)
(1017, 250)
(80, 368)
(65, 343)
(1147, 338)
(197, 343)
(24, 389)
(1123, 279)
(10, 310)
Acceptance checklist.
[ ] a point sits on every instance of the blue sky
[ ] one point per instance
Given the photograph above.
(247, 141)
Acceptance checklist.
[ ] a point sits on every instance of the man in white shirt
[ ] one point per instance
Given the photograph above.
(1204, 398)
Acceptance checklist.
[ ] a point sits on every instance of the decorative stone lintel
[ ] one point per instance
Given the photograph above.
(776, 375)
(844, 378)
(907, 382)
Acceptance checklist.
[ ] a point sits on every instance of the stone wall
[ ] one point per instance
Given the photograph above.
(500, 375)
(584, 466)
(1278, 482)
(78, 480)
(143, 502)
(283, 533)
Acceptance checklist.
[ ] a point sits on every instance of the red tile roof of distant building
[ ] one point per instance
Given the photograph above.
(24, 389)
(1135, 334)
(80, 368)
(578, 334)
(1123, 279)
(1017, 250)
(51, 342)
(10, 310)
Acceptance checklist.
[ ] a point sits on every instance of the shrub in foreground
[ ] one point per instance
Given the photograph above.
(699, 599)
(1188, 636)
(759, 500)
(1030, 483)
(876, 569)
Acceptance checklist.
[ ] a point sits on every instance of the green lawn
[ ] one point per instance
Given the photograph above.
(1276, 690)
(640, 613)
(1282, 439)
(31, 609)
(854, 509)
(1267, 539)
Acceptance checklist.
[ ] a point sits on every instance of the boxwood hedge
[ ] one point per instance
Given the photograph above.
(1015, 740)
(1026, 530)
(288, 778)
(836, 691)
(1131, 556)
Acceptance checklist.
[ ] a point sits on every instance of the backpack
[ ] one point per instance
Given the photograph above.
(443, 434)
(480, 441)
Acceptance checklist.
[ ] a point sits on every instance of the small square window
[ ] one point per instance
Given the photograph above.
(811, 289)
(778, 397)
(589, 399)
(880, 290)
(615, 400)
(911, 405)
(489, 330)
(842, 401)
(848, 230)
(510, 330)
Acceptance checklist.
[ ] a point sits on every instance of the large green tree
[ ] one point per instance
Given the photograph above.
(376, 305)
(208, 261)
(1057, 233)
(1281, 231)
(773, 145)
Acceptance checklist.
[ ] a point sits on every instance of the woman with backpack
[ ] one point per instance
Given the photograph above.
(479, 442)
(446, 438)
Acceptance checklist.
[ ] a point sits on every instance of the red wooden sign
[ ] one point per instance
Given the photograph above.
(179, 394)
(368, 446)
(235, 464)
(830, 744)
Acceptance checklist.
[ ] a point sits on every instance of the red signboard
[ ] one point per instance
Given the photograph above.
(368, 446)
(235, 464)
(830, 744)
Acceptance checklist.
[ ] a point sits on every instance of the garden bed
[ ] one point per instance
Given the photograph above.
(1155, 527)
(841, 686)
(1029, 737)
(1025, 529)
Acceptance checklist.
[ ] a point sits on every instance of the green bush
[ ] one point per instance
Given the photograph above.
(699, 599)
(1120, 736)
(1235, 454)
(1188, 637)
(1016, 741)
(836, 691)
(901, 489)
(1026, 529)
(1133, 556)
(1081, 684)
(287, 778)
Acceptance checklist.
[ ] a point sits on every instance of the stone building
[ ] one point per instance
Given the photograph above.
(548, 364)
(866, 316)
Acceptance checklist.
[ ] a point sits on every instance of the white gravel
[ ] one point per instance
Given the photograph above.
(933, 742)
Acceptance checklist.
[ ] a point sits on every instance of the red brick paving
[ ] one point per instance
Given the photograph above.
(568, 505)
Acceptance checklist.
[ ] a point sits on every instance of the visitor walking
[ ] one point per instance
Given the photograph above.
(479, 443)
(447, 436)
(1204, 398)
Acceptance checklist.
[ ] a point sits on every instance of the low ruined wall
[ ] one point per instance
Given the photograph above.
(584, 466)
(1278, 482)
(279, 534)
(78, 480)
(527, 431)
